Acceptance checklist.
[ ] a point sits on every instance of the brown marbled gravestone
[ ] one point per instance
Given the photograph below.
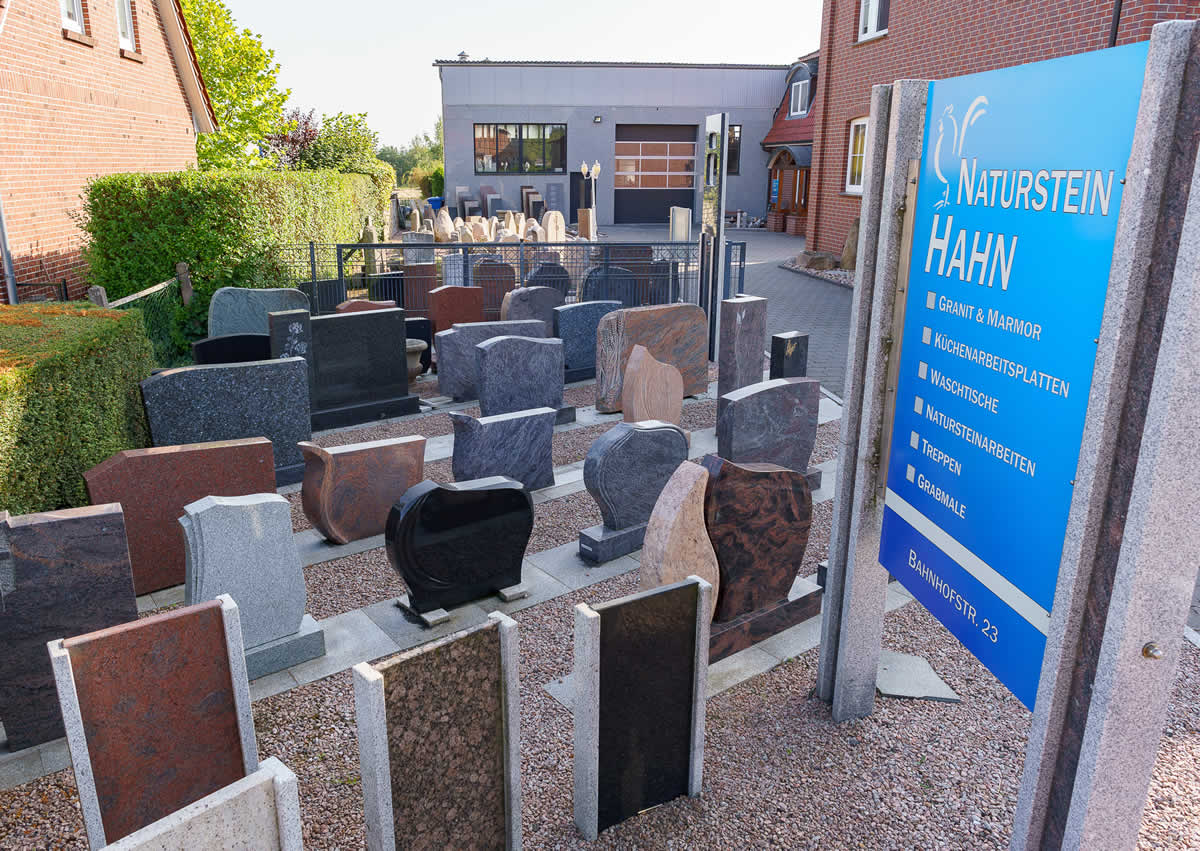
(357, 305)
(153, 485)
(651, 390)
(439, 742)
(61, 573)
(676, 543)
(673, 333)
(349, 490)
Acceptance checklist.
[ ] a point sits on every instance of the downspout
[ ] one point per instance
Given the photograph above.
(1116, 22)
(10, 277)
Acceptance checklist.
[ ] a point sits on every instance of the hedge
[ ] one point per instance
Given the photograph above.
(69, 398)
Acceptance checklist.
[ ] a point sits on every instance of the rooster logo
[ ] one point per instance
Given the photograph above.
(958, 135)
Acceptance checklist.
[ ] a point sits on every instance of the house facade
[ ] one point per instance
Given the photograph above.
(868, 42)
(508, 125)
(789, 147)
(87, 88)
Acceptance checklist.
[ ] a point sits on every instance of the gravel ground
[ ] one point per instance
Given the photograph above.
(826, 447)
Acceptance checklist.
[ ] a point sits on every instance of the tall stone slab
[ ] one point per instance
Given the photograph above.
(199, 404)
(459, 542)
(651, 390)
(243, 546)
(496, 278)
(625, 471)
(789, 355)
(773, 422)
(640, 684)
(517, 445)
(349, 490)
(157, 713)
(439, 741)
(548, 273)
(450, 305)
(61, 572)
(231, 348)
(458, 365)
(576, 324)
(673, 333)
(519, 373)
(153, 485)
(532, 302)
(611, 283)
(676, 545)
(742, 341)
(240, 310)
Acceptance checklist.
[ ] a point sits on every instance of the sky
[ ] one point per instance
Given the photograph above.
(361, 56)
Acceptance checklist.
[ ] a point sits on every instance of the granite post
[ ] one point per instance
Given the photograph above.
(742, 338)
(789, 355)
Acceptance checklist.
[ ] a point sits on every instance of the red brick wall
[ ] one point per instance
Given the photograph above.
(68, 112)
(934, 39)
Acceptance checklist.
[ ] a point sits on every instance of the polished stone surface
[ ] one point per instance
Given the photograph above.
(550, 274)
(532, 303)
(153, 485)
(627, 467)
(789, 355)
(157, 702)
(517, 445)
(772, 422)
(232, 348)
(241, 310)
(357, 305)
(742, 340)
(459, 542)
(61, 573)
(746, 630)
(420, 328)
(349, 490)
(458, 365)
(758, 518)
(197, 404)
(676, 543)
(610, 283)
(651, 390)
(519, 373)
(673, 333)
(495, 278)
(450, 305)
(576, 324)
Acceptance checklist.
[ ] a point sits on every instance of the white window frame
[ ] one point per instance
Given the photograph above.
(125, 11)
(868, 20)
(793, 112)
(853, 189)
(72, 7)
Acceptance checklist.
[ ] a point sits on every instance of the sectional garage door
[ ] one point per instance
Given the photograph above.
(655, 169)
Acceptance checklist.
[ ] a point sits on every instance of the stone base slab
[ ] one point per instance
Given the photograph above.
(289, 474)
(514, 592)
(362, 414)
(583, 373)
(565, 415)
(727, 637)
(306, 643)
(598, 544)
(428, 619)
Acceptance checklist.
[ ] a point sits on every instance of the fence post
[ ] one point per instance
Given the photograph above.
(312, 259)
(521, 263)
(466, 265)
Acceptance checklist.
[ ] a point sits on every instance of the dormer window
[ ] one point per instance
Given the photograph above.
(799, 103)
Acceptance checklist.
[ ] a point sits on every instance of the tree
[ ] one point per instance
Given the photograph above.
(419, 157)
(344, 143)
(242, 81)
(394, 157)
(295, 134)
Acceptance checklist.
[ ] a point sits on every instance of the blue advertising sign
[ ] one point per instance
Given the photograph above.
(1021, 179)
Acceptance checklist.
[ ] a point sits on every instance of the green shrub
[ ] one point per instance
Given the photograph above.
(437, 182)
(69, 398)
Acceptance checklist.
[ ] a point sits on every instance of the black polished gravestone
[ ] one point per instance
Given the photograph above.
(610, 283)
(357, 363)
(789, 355)
(232, 348)
(458, 542)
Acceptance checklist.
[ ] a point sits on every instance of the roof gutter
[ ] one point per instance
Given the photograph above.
(10, 275)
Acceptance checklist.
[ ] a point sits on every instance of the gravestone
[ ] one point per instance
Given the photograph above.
(576, 324)
(61, 572)
(439, 742)
(743, 335)
(625, 471)
(640, 685)
(549, 274)
(443, 227)
(651, 390)
(240, 310)
(680, 224)
(459, 542)
(153, 485)
(676, 545)
(519, 373)
(232, 348)
(556, 199)
(358, 368)
(420, 280)
(424, 256)
(586, 218)
(517, 445)
(758, 518)
(458, 370)
(532, 303)
(495, 278)
(349, 490)
(243, 546)
(610, 283)
(357, 305)
(774, 422)
(453, 305)
(157, 714)
(789, 355)
(198, 404)
(419, 328)
(414, 222)
(673, 333)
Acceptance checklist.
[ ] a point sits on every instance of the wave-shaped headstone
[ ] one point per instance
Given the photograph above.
(519, 373)
(518, 445)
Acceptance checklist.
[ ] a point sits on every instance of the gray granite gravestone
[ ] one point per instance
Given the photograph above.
(576, 324)
(556, 197)
(533, 302)
(239, 310)
(625, 470)
(458, 375)
(516, 445)
(789, 355)
(743, 335)
(198, 404)
(243, 546)
(519, 373)
(771, 422)
(418, 255)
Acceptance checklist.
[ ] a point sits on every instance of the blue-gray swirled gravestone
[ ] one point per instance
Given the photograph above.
(458, 371)
(771, 422)
(517, 445)
(576, 324)
(243, 546)
(532, 303)
(238, 310)
(743, 336)
(625, 471)
(519, 373)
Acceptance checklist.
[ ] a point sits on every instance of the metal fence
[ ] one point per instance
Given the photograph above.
(735, 268)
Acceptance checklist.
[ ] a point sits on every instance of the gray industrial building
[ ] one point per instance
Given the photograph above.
(509, 125)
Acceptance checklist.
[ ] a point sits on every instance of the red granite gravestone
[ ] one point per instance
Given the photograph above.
(448, 305)
(494, 278)
(420, 280)
(153, 485)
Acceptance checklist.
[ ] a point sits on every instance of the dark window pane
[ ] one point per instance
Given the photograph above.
(556, 147)
(734, 150)
(485, 147)
(881, 20)
(533, 148)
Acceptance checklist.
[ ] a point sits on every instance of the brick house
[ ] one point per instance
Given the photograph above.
(866, 42)
(87, 87)
(789, 147)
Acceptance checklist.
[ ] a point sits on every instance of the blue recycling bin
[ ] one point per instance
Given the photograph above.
(436, 203)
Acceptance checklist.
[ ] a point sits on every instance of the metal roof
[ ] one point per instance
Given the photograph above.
(598, 64)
